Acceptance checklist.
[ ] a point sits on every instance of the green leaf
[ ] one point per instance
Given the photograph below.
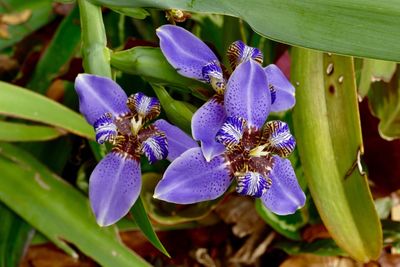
(177, 111)
(384, 100)
(383, 207)
(288, 226)
(60, 50)
(41, 15)
(351, 27)
(321, 247)
(15, 235)
(374, 70)
(58, 210)
(151, 65)
(328, 134)
(18, 132)
(143, 222)
(21, 103)
(137, 13)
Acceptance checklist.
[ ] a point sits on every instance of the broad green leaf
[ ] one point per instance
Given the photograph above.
(41, 14)
(58, 210)
(140, 215)
(288, 226)
(374, 70)
(384, 100)
(21, 103)
(15, 235)
(177, 112)
(365, 28)
(328, 134)
(19, 132)
(321, 247)
(383, 207)
(150, 63)
(137, 13)
(60, 50)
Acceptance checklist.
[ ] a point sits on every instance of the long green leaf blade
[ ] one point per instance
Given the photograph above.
(18, 132)
(365, 28)
(142, 220)
(21, 103)
(328, 134)
(57, 209)
(15, 235)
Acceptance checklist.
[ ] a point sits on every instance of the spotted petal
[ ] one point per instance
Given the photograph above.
(114, 186)
(105, 129)
(231, 131)
(155, 147)
(99, 95)
(178, 140)
(277, 137)
(146, 107)
(206, 122)
(282, 91)
(184, 51)
(191, 179)
(239, 52)
(252, 184)
(247, 94)
(285, 195)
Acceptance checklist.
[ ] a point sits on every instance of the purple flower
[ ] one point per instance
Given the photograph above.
(194, 59)
(115, 183)
(254, 152)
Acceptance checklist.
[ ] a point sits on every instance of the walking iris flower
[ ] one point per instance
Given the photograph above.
(254, 152)
(194, 59)
(115, 183)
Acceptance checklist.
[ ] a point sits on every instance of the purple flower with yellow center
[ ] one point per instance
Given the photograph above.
(254, 154)
(115, 183)
(194, 59)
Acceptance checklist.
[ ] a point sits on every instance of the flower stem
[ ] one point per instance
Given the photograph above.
(96, 56)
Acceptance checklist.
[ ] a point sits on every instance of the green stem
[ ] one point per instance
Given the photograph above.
(96, 56)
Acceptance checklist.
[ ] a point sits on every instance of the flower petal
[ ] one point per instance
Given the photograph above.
(231, 132)
(99, 95)
(247, 94)
(278, 139)
(239, 52)
(105, 129)
(212, 74)
(252, 184)
(114, 186)
(282, 91)
(178, 140)
(184, 51)
(191, 179)
(146, 107)
(155, 147)
(206, 122)
(285, 195)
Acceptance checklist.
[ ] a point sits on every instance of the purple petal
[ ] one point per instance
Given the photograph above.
(278, 138)
(155, 147)
(178, 140)
(239, 52)
(184, 51)
(231, 131)
(191, 179)
(114, 186)
(252, 184)
(206, 122)
(146, 107)
(285, 195)
(283, 92)
(212, 74)
(247, 94)
(105, 129)
(99, 95)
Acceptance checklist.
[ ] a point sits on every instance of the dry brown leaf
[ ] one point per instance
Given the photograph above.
(310, 260)
(16, 18)
(4, 34)
(316, 231)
